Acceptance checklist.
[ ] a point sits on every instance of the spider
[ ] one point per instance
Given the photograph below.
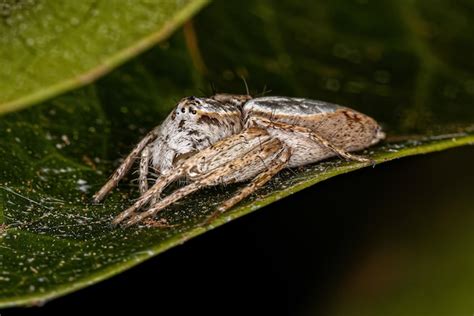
(234, 138)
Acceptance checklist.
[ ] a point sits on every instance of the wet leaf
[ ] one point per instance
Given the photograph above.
(381, 59)
(48, 47)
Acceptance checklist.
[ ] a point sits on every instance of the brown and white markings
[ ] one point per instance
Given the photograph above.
(233, 138)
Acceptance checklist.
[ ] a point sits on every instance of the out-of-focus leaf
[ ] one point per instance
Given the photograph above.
(48, 47)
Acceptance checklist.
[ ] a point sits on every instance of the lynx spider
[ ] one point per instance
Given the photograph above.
(233, 138)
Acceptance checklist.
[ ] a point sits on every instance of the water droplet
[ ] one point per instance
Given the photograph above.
(83, 186)
(65, 139)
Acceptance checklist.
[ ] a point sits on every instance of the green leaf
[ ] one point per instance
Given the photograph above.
(48, 47)
(55, 155)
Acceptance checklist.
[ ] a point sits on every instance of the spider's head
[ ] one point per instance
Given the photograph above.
(208, 115)
(186, 108)
(219, 104)
(194, 124)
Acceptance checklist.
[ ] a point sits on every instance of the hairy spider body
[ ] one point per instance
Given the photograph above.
(234, 138)
(196, 123)
(284, 118)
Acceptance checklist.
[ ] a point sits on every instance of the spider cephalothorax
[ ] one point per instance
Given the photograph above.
(232, 138)
(195, 123)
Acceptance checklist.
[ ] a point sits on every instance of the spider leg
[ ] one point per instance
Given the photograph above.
(161, 204)
(231, 167)
(273, 168)
(122, 170)
(218, 155)
(154, 191)
(313, 135)
(144, 164)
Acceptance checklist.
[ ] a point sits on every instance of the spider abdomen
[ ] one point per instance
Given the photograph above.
(343, 127)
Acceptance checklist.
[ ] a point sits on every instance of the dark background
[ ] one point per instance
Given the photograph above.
(292, 258)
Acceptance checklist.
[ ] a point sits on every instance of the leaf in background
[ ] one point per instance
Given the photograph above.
(382, 58)
(56, 154)
(48, 47)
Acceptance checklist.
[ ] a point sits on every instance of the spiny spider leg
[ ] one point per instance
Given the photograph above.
(144, 164)
(125, 166)
(212, 158)
(262, 122)
(154, 191)
(161, 204)
(242, 166)
(275, 166)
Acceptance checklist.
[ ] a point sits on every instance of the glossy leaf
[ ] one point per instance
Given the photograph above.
(375, 58)
(48, 47)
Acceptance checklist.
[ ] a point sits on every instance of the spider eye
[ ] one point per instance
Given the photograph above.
(192, 110)
(183, 110)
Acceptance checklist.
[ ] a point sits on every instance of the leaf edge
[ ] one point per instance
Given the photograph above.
(108, 65)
